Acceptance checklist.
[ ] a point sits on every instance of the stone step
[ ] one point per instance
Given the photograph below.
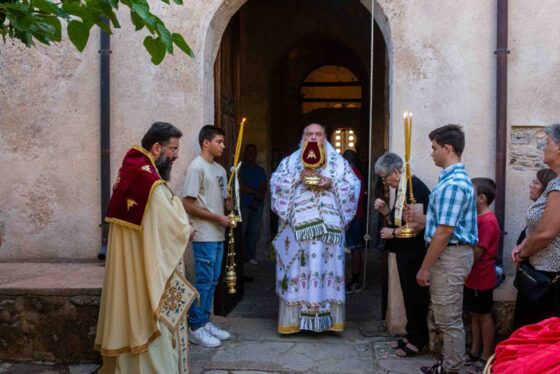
(48, 312)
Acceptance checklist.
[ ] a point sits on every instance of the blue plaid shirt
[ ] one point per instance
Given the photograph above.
(452, 203)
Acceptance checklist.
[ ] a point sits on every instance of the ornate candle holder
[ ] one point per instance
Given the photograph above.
(407, 231)
(231, 276)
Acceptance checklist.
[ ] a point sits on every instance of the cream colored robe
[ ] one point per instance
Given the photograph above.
(142, 319)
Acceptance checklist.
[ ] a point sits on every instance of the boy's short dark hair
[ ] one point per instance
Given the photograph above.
(486, 187)
(160, 132)
(209, 132)
(452, 135)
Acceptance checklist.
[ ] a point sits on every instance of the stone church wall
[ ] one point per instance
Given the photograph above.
(441, 67)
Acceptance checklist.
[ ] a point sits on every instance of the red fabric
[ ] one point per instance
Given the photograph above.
(483, 273)
(132, 188)
(360, 213)
(313, 154)
(532, 349)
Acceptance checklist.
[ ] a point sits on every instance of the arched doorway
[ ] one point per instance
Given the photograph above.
(266, 56)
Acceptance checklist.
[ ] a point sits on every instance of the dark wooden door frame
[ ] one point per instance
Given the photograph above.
(227, 99)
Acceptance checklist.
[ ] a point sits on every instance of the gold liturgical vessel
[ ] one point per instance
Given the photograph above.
(231, 275)
(312, 157)
(407, 231)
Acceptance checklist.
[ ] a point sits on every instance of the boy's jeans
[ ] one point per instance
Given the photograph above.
(447, 278)
(208, 266)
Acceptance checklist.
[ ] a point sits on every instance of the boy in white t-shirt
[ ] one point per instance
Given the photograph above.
(204, 198)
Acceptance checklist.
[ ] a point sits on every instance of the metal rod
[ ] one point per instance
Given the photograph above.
(371, 173)
(501, 116)
(105, 133)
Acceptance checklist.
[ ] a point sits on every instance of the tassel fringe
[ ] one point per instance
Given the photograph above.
(317, 322)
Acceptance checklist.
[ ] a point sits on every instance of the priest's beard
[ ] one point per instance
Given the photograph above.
(164, 165)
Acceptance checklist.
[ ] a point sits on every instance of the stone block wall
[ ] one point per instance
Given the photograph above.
(59, 329)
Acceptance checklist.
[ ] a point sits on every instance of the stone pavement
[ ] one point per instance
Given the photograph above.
(256, 348)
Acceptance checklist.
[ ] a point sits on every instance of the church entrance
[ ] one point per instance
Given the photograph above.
(283, 65)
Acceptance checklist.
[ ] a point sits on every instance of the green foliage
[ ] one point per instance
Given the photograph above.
(42, 20)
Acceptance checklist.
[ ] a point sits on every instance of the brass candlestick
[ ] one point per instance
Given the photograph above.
(407, 231)
(231, 276)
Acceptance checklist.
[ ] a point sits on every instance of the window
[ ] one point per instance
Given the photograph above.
(330, 86)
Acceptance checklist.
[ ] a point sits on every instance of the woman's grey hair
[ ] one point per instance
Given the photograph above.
(554, 132)
(388, 163)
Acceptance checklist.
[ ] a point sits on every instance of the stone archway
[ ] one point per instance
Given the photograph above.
(217, 19)
(334, 36)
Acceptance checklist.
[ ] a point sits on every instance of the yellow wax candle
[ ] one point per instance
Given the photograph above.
(237, 151)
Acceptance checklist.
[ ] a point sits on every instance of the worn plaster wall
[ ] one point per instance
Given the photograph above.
(534, 98)
(48, 151)
(441, 67)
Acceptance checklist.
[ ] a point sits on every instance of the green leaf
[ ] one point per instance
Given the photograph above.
(21, 23)
(43, 28)
(137, 21)
(75, 9)
(104, 26)
(151, 23)
(106, 11)
(179, 2)
(43, 5)
(55, 23)
(143, 10)
(182, 44)
(78, 33)
(165, 36)
(156, 48)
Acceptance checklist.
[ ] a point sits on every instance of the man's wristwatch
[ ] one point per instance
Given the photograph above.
(394, 233)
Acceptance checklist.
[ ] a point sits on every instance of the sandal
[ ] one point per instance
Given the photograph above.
(472, 357)
(476, 367)
(406, 351)
(399, 343)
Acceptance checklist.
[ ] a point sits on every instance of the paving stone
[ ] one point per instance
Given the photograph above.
(36, 369)
(83, 369)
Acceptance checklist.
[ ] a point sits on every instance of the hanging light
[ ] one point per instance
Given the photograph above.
(344, 139)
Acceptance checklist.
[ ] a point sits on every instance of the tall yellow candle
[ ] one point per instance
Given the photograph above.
(237, 151)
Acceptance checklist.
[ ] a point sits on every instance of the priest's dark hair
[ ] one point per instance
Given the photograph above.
(160, 132)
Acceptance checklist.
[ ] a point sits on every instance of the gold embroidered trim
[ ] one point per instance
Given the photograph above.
(288, 329)
(136, 349)
(157, 313)
(133, 226)
(292, 329)
(146, 153)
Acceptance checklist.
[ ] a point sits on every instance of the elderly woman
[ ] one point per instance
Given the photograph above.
(409, 252)
(536, 188)
(541, 247)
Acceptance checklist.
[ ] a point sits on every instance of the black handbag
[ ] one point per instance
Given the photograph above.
(532, 283)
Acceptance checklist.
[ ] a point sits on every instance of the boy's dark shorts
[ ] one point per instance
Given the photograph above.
(479, 301)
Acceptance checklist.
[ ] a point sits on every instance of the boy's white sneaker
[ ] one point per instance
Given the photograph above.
(202, 337)
(216, 331)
